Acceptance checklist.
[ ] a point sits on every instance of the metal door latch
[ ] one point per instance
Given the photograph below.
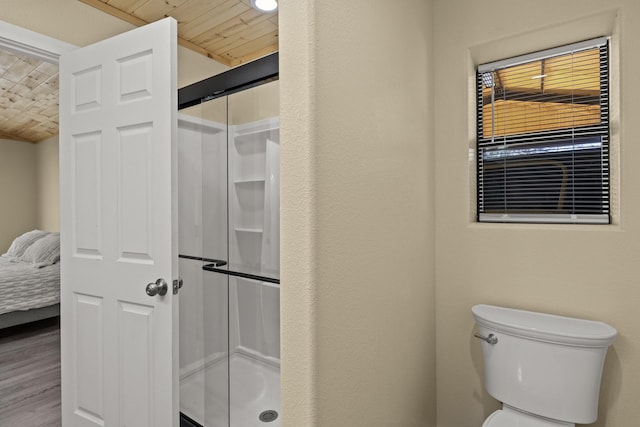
(177, 284)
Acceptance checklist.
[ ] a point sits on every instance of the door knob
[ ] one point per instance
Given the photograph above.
(160, 287)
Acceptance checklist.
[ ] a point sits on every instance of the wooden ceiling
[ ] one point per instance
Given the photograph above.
(28, 98)
(229, 31)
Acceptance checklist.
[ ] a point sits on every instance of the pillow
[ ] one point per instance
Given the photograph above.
(45, 251)
(21, 243)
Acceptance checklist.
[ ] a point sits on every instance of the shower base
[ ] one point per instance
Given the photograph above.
(254, 388)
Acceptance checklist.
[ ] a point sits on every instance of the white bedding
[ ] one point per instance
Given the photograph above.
(24, 287)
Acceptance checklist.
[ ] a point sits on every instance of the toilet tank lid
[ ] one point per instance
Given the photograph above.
(545, 327)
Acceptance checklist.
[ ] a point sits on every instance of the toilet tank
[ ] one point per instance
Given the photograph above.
(544, 364)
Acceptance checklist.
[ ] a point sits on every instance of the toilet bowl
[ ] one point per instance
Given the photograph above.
(545, 369)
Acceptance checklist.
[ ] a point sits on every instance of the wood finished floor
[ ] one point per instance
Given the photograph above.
(30, 375)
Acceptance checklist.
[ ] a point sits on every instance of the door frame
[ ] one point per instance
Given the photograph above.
(26, 42)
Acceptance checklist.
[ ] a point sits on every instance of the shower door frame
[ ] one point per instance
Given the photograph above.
(237, 79)
(243, 77)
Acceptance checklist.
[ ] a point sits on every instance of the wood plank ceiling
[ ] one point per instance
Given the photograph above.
(28, 98)
(229, 31)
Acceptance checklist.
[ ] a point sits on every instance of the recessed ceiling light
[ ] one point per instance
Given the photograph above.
(265, 5)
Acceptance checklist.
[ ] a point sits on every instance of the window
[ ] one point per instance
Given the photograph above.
(543, 136)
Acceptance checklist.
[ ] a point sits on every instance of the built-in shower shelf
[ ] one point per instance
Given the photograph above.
(249, 230)
(255, 136)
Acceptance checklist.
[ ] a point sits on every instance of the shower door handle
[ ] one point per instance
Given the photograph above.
(160, 287)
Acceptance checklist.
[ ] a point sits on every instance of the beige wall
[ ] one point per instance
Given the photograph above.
(48, 185)
(259, 103)
(29, 188)
(584, 271)
(17, 190)
(357, 301)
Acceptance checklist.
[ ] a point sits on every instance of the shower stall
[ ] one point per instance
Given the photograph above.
(229, 240)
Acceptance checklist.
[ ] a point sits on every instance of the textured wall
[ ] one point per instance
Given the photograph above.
(17, 189)
(583, 271)
(48, 184)
(357, 214)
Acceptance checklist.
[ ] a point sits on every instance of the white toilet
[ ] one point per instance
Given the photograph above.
(545, 369)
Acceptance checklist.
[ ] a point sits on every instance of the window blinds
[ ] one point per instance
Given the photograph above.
(543, 136)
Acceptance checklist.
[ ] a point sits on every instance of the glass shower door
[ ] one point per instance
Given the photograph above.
(204, 316)
(229, 181)
(254, 255)
(215, 247)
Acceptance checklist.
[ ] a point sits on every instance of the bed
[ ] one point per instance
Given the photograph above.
(30, 279)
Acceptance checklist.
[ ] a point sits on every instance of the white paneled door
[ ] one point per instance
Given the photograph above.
(118, 106)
